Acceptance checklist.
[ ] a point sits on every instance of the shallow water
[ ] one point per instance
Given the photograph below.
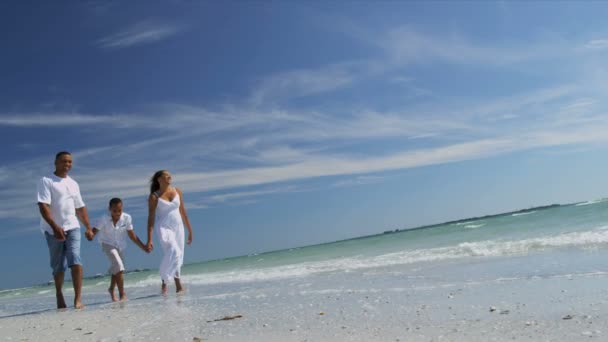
(558, 242)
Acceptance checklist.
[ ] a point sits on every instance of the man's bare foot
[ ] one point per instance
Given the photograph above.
(112, 295)
(78, 305)
(61, 302)
(163, 289)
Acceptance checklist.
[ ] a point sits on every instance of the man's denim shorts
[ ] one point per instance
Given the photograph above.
(66, 253)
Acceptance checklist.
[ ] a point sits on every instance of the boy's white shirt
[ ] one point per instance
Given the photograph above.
(114, 235)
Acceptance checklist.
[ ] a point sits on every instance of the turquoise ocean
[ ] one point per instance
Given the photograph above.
(558, 241)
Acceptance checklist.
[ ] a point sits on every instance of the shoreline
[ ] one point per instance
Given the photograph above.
(455, 301)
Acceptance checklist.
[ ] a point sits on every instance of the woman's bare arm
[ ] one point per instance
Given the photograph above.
(152, 202)
(182, 211)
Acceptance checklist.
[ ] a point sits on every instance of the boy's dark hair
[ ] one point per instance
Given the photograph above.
(62, 153)
(115, 201)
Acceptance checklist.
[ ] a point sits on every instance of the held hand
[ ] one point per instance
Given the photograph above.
(59, 234)
(89, 234)
(149, 246)
(189, 239)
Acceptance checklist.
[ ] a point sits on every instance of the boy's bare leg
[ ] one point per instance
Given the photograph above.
(111, 288)
(178, 286)
(77, 283)
(120, 283)
(163, 289)
(58, 290)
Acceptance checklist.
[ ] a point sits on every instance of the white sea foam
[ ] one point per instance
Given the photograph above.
(465, 223)
(592, 202)
(488, 248)
(522, 214)
(474, 226)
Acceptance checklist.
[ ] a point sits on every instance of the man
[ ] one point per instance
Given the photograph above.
(61, 206)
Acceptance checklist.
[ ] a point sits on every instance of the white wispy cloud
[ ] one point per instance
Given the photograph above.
(263, 142)
(145, 32)
(52, 119)
(300, 83)
(360, 180)
(321, 166)
(130, 180)
(597, 44)
(237, 195)
(400, 48)
(405, 46)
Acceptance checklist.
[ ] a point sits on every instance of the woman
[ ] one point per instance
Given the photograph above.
(167, 215)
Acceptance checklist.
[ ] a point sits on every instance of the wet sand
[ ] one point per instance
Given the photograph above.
(383, 306)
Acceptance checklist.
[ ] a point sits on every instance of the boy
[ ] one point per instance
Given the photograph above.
(112, 230)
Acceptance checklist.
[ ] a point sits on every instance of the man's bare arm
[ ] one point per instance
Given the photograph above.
(45, 212)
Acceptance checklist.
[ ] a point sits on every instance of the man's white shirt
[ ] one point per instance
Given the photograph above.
(63, 196)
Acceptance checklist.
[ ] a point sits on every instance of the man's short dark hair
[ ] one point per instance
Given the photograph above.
(61, 154)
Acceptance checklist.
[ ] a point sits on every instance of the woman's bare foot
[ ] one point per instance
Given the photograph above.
(178, 286)
(112, 295)
(123, 298)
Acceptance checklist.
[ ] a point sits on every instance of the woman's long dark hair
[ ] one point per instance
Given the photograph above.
(154, 184)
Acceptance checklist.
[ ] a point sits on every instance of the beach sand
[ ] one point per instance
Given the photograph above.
(381, 304)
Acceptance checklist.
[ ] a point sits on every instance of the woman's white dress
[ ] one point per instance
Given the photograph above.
(170, 231)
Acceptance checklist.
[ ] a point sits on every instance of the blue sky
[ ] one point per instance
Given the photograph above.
(288, 124)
